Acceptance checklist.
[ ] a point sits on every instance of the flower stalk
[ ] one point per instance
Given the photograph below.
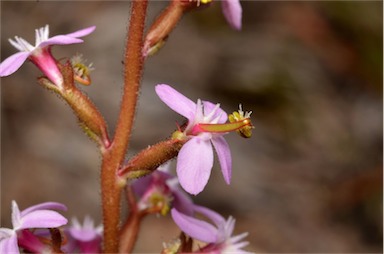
(130, 230)
(114, 156)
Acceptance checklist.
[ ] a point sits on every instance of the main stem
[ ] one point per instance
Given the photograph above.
(114, 155)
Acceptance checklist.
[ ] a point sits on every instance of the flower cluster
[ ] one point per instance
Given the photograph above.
(162, 186)
(41, 229)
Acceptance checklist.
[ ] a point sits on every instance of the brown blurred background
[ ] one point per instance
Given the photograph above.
(310, 178)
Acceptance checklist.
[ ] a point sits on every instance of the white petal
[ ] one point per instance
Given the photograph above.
(16, 217)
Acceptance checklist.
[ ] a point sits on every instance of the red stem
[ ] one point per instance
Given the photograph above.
(114, 155)
(129, 231)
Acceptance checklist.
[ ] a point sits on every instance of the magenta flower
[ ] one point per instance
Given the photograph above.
(195, 159)
(40, 54)
(218, 235)
(232, 12)
(161, 190)
(38, 216)
(87, 238)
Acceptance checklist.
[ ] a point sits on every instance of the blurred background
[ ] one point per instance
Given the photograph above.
(310, 178)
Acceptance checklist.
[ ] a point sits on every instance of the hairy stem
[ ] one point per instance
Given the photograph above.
(129, 231)
(114, 155)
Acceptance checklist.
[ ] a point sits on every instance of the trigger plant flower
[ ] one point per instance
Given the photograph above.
(84, 237)
(38, 216)
(218, 233)
(160, 191)
(40, 54)
(206, 127)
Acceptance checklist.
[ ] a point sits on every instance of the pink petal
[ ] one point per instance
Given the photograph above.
(82, 32)
(13, 63)
(140, 186)
(176, 101)
(194, 165)
(224, 155)
(84, 233)
(42, 219)
(44, 206)
(31, 242)
(210, 214)
(232, 12)
(9, 245)
(182, 202)
(195, 228)
(60, 40)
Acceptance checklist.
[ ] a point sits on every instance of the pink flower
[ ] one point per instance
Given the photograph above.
(161, 190)
(195, 159)
(38, 216)
(232, 12)
(218, 233)
(40, 54)
(87, 238)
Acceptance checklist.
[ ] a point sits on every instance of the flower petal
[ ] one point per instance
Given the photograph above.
(220, 114)
(42, 219)
(198, 229)
(176, 101)
(86, 232)
(224, 155)
(16, 217)
(232, 12)
(238, 238)
(44, 206)
(182, 202)
(210, 214)
(194, 165)
(13, 63)
(140, 185)
(9, 245)
(31, 242)
(82, 32)
(5, 233)
(60, 40)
